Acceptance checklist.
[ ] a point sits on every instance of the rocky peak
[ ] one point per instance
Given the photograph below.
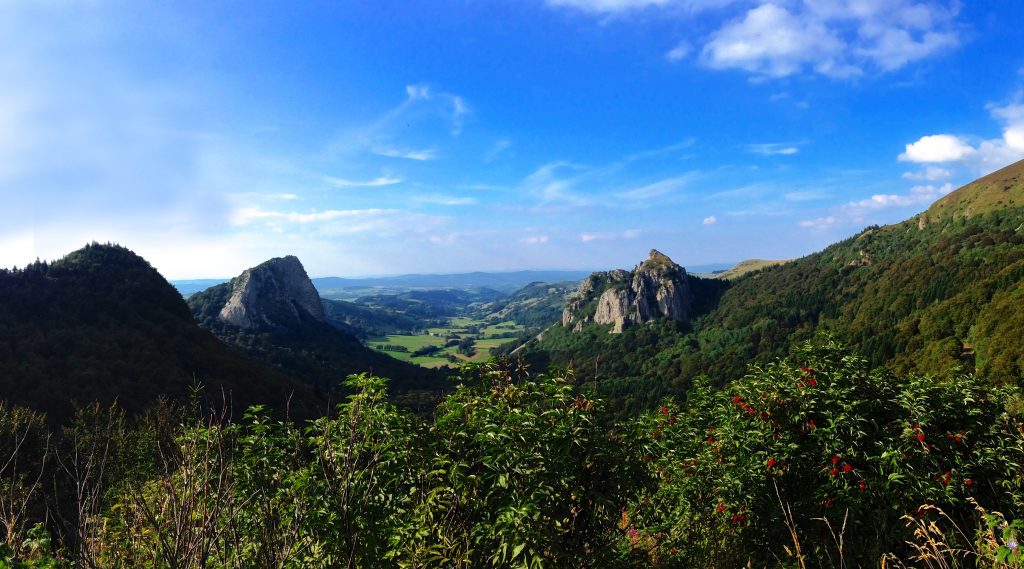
(657, 287)
(274, 294)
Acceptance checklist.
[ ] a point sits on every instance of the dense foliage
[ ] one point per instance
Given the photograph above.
(811, 461)
(102, 324)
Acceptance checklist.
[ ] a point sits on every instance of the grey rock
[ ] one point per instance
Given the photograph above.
(274, 294)
(655, 288)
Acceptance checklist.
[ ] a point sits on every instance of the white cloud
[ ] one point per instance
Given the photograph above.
(247, 215)
(769, 40)
(609, 235)
(836, 38)
(710, 220)
(534, 240)
(444, 200)
(608, 6)
(550, 186)
(374, 183)
(929, 174)
(820, 223)
(804, 195)
(937, 148)
(392, 152)
(858, 211)
(657, 189)
(773, 149)
(985, 155)
(893, 48)
(497, 150)
(680, 51)
(417, 92)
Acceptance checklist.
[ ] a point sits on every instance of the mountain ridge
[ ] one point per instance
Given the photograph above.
(922, 298)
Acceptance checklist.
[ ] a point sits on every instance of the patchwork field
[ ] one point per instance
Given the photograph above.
(475, 337)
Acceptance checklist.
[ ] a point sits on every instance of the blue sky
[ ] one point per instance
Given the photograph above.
(390, 137)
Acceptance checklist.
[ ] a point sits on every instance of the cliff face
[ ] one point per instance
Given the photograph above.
(274, 294)
(656, 288)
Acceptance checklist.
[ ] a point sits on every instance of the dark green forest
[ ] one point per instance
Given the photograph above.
(102, 325)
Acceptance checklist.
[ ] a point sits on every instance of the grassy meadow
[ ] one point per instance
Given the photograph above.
(486, 335)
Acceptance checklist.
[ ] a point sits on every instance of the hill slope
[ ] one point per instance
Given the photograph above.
(272, 313)
(912, 296)
(102, 324)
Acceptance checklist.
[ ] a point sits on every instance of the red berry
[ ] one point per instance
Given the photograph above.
(811, 424)
(847, 468)
(968, 482)
(771, 462)
(812, 382)
(664, 410)
(920, 437)
(863, 485)
(721, 508)
(736, 400)
(835, 460)
(711, 439)
(833, 472)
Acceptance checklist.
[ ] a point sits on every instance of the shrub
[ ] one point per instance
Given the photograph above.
(817, 452)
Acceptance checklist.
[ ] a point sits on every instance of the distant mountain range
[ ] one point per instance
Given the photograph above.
(505, 282)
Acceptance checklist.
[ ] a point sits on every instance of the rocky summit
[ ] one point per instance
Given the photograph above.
(656, 288)
(274, 294)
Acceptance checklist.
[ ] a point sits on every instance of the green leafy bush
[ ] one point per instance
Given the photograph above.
(816, 452)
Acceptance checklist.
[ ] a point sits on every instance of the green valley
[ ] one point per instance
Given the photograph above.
(463, 339)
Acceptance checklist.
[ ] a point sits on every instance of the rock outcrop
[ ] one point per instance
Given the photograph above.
(274, 294)
(656, 288)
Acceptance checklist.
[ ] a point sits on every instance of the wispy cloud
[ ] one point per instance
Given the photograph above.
(440, 199)
(374, 183)
(498, 149)
(858, 211)
(609, 235)
(608, 6)
(534, 240)
(421, 155)
(780, 38)
(929, 174)
(550, 184)
(680, 51)
(774, 148)
(710, 220)
(656, 189)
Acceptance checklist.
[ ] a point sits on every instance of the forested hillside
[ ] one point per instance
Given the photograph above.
(101, 324)
(942, 289)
